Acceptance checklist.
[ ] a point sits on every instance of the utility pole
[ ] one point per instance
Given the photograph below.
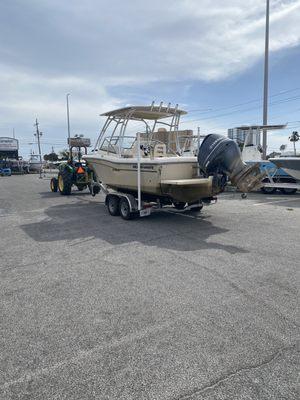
(198, 137)
(14, 133)
(266, 80)
(38, 134)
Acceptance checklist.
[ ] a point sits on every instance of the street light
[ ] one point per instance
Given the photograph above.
(68, 116)
(266, 80)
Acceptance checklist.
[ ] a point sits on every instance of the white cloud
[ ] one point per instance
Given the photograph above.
(92, 47)
(126, 42)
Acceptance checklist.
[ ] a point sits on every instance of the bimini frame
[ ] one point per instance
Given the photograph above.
(145, 114)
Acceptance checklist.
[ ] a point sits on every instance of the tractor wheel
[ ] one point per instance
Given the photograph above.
(113, 205)
(65, 182)
(54, 184)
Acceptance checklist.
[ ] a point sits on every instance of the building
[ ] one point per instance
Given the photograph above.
(237, 134)
(9, 148)
(240, 135)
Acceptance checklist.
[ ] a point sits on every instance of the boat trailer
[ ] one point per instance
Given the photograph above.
(274, 182)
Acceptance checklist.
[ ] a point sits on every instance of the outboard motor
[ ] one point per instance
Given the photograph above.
(220, 156)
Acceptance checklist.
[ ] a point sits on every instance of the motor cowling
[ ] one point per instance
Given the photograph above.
(219, 155)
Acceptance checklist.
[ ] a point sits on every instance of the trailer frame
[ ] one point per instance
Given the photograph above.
(284, 187)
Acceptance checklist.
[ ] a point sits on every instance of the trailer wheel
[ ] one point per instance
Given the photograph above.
(268, 190)
(179, 205)
(53, 185)
(112, 203)
(124, 209)
(288, 191)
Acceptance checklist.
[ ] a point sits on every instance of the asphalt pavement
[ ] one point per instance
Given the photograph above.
(175, 306)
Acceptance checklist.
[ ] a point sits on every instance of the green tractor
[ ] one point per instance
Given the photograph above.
(73, 172)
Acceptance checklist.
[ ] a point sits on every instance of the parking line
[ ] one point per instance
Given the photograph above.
(181, 214)
(273, 202)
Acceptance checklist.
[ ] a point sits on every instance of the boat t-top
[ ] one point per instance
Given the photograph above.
(161, 161)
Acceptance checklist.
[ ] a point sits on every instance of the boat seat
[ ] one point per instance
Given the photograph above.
(130, 153)
(160, 150)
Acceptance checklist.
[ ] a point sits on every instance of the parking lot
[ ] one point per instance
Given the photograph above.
(173, 306)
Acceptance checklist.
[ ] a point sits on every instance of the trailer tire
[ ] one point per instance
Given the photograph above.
(124, 209)
(179, 205)
(288, 191)
(53, 185)
(197, 209)
(112, 203)
(268, 190)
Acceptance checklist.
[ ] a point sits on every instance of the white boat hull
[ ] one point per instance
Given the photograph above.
(163, 176)
(291, 165)
(35, 167)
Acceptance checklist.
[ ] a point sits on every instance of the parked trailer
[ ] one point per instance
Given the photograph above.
(275, 180)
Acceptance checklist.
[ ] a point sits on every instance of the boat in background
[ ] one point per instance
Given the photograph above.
(289, 164)
(35, 164)
(281, 172)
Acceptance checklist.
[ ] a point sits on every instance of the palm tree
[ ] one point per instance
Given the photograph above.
(294, 138)
(64, 154)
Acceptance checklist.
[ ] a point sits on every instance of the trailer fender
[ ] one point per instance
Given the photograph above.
(132, 202)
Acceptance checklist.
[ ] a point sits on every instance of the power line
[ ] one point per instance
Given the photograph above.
(242, 110)
(242, 104)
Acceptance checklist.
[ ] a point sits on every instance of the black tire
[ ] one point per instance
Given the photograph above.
(288, 191)
(65, 179)
(54, 184)
(179, 205)
(197, 209)
(124, 209)
(113, 205)
(81, 188)
(268, 190)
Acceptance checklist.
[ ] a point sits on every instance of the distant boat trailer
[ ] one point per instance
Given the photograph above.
(274, 181)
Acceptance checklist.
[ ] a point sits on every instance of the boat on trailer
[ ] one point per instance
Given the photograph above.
(282, 173)
(160, 163)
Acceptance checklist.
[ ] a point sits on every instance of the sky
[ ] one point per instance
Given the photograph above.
(206, 56)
